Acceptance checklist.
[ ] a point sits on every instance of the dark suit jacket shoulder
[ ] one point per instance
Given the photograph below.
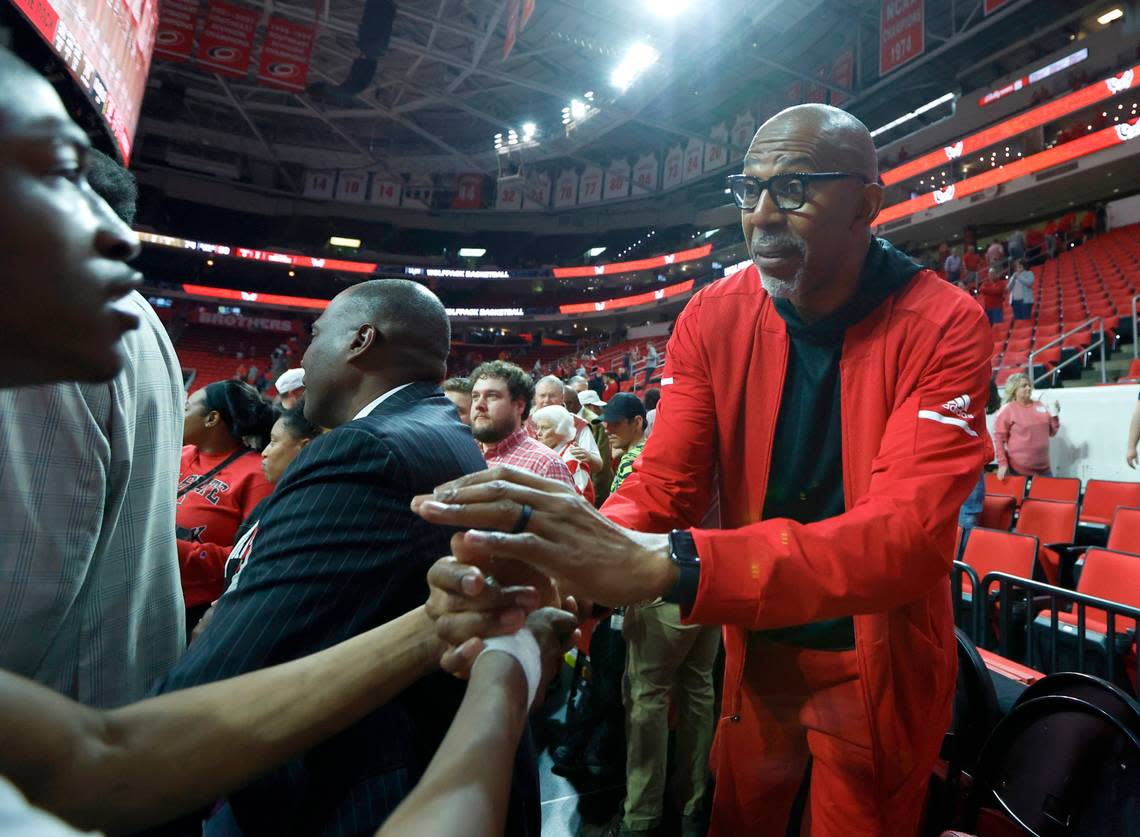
(338, 552)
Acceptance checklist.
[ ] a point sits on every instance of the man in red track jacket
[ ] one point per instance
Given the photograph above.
(836, 394)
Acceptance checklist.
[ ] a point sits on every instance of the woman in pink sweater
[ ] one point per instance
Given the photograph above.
(1022, 431)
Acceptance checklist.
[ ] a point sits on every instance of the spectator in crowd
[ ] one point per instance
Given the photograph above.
(624, 416)
(549, 391)
(138, 766)
(1052, 236)
(652, 359)
(554, 427)
(1035, 245)
(1021, 291)
(1023, 429)
(652, 397)
(611, 387)
(339, 551)
(88, 473)
(458, 392)
(832, 579)
(972, 263)
(953, 267)
(579, 383)
(1016, 245)
(225, 426)
(995, 256)
(604, 476)
(991, 294)
(596, 381)
(290, 386)
(501, 397)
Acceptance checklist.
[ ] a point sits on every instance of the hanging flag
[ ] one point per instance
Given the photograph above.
(319, 184)
(902, 32)
(174, 37)
(674, 174)
(385, 190)
(645, 175)
(226, 43)
(285, 54)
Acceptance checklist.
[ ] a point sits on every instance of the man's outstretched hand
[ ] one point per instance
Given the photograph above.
(565, 539)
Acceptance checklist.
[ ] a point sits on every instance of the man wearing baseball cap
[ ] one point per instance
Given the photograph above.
(624, 417)
(291, 387)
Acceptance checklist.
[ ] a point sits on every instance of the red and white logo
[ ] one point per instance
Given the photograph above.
(953, 151)
(599, 269)
(944, 195)
(954, 413)
(1126, 131)
(1120, 83)
(672, 257)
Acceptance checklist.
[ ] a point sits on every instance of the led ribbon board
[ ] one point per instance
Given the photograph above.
(614, 268)
(627, 301)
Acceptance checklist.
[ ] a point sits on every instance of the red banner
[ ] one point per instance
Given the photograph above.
(306, 302)
(285, 54)
(992, 6)
(468, 191)
(512, 28)
(227, 38)
(1055, 156)
(1040, 115)
(843, 74)
(627, 301)
(177, 20)
(614, 268)
(901, 33)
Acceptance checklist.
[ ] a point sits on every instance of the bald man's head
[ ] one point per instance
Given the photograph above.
(809, 244)
(383, 332)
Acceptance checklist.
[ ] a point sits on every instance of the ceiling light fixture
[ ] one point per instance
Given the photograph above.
(1111, 15)
(946, 97)
(350, 243)
(639, 57)
(594, 252)
(472, 252)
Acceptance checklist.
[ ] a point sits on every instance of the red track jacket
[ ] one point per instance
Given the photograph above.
(914, 377)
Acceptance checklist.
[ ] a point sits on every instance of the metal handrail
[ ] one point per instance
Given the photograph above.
(1135, 336)
(1063, 364)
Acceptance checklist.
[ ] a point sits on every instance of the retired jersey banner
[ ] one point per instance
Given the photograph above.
(227, 39)
(319, 184)
(174, 37)
(674, 171)
(286, 53)
(716, 154)
(352, 186)
(590, 185)
(468, 191)
(385, 190)
(566, 189)
(617, 181)
(536, 193)
(509, 195)
(645, 175)
(743, 129)
(694, 156)
(902, 33)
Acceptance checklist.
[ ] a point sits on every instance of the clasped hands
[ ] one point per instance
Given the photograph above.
(496, 581)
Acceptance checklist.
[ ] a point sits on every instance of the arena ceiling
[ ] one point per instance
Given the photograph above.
(442, 90)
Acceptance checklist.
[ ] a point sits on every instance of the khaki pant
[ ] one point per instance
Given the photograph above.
(662, 653)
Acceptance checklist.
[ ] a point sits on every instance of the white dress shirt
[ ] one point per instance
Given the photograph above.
(372, 405)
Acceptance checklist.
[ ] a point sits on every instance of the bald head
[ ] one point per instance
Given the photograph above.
(411, 320)
(570, 396)
(830, 138)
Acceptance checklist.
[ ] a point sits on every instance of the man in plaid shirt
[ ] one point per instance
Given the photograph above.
(501, 396)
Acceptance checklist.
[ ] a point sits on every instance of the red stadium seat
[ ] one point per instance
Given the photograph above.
(1124, 535)
(997, 512)
(1011, 486)
(1051, 522)
(1104, 497)
(1064, 489)
(990, 551)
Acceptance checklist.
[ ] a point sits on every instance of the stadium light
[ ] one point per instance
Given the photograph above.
(338, 241)
(638, 58)
(472, 252)
(1111, 15)
(594, 252)
(529, 129)
(914, 114)
(666, 8)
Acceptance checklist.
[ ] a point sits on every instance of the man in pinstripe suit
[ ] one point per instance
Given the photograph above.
(339, 551)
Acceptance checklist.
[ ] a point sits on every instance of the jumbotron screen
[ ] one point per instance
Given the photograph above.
(106, 45)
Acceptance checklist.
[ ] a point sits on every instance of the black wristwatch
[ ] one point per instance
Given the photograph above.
(683, 552)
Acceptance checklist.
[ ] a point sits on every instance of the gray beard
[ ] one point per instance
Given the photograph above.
(780, 288)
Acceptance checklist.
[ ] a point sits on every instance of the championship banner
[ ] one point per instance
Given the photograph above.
(174, 38)
(902, 33)
(843, 74)
(694, 155)
(743, 130)
(352, 186)
(817, 93)
(645, 175)
(674, 174)
(590, 185)
(385, 190)
(509, 195)
(795, 93)
(991, 6)
(285, 54)
(319, 184)
(617, 181)
(512, 28)
(527, 11)
(566, 189)
(468, 191)
(536, 194)
(227, 39)
(716, 155)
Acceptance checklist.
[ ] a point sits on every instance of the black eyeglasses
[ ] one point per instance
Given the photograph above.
(789, 190)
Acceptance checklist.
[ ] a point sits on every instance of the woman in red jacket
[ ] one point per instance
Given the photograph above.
(225, 426)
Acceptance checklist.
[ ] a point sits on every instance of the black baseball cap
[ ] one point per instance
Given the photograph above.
(624, 405)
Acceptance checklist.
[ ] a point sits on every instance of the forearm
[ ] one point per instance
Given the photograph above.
(153, 760)
(1134, 428)
(467, 785)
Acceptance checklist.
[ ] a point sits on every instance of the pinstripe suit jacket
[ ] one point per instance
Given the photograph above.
(338, 552)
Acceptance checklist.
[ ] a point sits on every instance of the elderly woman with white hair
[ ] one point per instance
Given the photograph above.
(555, 429)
